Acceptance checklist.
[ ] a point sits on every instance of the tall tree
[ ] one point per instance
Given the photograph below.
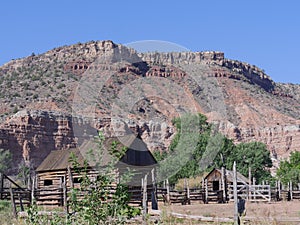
(186, 147)
(289, 170)
(254, 155)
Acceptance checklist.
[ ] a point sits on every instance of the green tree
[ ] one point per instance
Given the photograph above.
(97, 203)
(254, 155)
(289, 170)
(226, 155)
(186, 148)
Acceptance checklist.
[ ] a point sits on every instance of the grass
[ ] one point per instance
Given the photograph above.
(193, 182)
(6, 215)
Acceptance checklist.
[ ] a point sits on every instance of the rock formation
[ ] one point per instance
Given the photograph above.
(246, 103)
(32, 135)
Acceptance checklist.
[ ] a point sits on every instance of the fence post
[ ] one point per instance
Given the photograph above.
(32, 189)
(206, 191)
(279, 189)
(145, 199)
(254, 193)
(168, 191)
(249, 187)
(223, 184)
(1, 185)
(235, 197)
(188, 192)
(154, 192)
(270, 196)
(21, 203)
(142, 190)
(13, 203)
(291, 190)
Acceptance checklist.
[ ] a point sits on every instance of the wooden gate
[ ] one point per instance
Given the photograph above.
(253, 193)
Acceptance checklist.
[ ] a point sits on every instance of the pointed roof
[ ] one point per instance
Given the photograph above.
(137, 153)
(229, 175)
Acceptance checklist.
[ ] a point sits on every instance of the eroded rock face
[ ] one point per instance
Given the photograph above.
(280, 139)
(240, 97)
(32, 135)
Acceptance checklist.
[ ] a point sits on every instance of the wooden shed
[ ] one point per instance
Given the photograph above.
(53, 171)
(218, 182)
(214, 179)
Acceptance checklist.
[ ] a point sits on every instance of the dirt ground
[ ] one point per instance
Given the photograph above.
(256, 213)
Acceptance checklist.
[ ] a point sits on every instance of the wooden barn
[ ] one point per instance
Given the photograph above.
(56, 172)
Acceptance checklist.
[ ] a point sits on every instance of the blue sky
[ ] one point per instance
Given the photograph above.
(263, 33)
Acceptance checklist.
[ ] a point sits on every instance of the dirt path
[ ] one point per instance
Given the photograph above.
(257, 213)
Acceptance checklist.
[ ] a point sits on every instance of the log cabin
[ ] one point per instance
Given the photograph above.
(56, 172)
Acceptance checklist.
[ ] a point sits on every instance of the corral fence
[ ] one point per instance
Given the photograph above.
(139, 196)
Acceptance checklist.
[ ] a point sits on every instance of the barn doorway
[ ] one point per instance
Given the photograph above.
(216, 185)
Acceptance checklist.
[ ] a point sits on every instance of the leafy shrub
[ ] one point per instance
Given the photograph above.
(61, 85)
(35, 77)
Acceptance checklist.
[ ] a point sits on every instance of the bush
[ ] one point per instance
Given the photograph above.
(61, 85)
(35, 77)
(15, 109)
(35, 96)
(289, 170)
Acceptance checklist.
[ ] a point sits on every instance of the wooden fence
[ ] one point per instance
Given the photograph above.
(21, 197)
(59, 196)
